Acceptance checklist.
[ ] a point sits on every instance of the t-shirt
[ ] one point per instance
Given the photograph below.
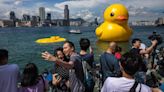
(135, 51)
(76, 75)
(143, 46)
(122, 84)
(9, 75)
(63, 72)
(109, 65)
(39, 87)
(89, 58)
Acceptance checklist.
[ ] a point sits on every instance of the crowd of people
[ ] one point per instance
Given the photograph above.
(74, 71)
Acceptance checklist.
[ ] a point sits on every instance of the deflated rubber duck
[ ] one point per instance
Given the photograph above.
(52, 39)
(115, 26)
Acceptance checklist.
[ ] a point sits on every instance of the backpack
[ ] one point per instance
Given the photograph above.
(133, 88)
(88, 78)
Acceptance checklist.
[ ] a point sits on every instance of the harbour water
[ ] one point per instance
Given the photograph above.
(20, 42)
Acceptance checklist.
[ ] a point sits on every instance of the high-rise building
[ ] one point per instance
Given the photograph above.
(159, 21)
(66, 12)
(48, 16)
(66, 15)
(12, 15)
(42, 13)
(26, 17)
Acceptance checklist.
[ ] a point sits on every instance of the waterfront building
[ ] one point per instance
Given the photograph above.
(7, 23)
(66, 15)
(42, 13)
(12, 15)
(26, 17)
(48, 16)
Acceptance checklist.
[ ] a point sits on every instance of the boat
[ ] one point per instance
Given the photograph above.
(75, 31)
(52, 39)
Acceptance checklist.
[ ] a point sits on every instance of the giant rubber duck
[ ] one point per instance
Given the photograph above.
(115, 26)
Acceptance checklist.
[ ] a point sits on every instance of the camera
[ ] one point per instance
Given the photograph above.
(157, 37)
(57, 76)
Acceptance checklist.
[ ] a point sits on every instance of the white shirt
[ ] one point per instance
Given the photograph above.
(8, 78)
(122, 84)
(143, 46)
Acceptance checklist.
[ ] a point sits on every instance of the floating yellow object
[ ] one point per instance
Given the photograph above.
(52, 39)
(115, 26)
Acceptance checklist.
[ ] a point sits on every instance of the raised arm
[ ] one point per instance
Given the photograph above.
(149, 49)
(47, 56)
(91, 50)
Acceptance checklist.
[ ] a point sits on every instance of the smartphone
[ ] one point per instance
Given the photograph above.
(57, 76)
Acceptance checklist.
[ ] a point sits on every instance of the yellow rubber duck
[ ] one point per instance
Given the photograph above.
(52, 39)
(115, 26)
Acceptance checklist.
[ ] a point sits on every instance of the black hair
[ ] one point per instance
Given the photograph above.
(130, 63)
(30, 75)
(70, 44)
(58, 49)
(135, 40)
(84, 44)
(3, 54)
(118, 49)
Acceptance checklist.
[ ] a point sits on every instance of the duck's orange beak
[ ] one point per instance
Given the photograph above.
(121, 18)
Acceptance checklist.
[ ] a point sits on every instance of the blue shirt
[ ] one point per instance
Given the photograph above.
(109, 65)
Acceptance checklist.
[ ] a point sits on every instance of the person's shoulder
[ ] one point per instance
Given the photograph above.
(75, 55)
(14, 67)
(146, 88)
(112, 82)
(134, 49)
(88, 55)
(105, 53)
(112, 79)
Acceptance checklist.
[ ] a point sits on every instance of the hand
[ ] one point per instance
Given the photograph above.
(56, 81)
(47, 56)
(90, 49)
(154, 42)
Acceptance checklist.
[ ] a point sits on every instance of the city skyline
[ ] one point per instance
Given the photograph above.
(86, 9)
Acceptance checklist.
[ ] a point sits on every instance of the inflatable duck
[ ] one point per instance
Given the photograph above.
(115, 26)
(52, 39)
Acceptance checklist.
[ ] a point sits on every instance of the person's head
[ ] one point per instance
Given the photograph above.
(130, 63)
(3, 56)
(58, 52)
(68, 48)
(112, 46)
(84, 44)
(136, 43)
(118, 49)
(30, 75)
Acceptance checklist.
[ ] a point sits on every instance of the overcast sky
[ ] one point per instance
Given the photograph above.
(86, 9)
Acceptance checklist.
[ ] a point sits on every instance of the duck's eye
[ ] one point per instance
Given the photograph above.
(112, 14)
